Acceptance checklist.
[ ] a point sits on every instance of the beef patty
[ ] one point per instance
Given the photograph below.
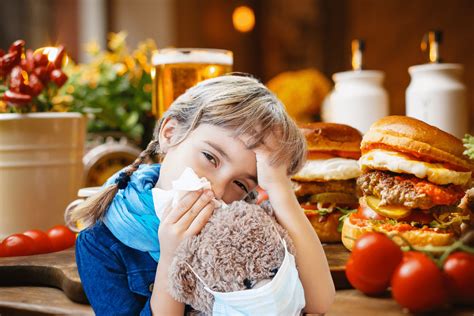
(316, 187)
(400, 189)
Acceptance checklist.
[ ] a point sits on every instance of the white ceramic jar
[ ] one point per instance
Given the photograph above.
(358, 99)
(437, 96)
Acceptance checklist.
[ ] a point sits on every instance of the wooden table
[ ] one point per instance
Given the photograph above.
(42, 300)
(31, 300)
(59, 270)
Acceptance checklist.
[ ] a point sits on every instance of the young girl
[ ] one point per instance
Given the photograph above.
(231, 130)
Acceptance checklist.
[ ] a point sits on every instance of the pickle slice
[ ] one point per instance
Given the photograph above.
(394, 212)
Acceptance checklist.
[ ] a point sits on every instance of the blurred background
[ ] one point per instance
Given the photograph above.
(285, 35)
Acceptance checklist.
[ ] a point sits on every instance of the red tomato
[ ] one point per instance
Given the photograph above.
(2, 251)
(355, 279)
(365, 212)
(375, 257)
(418, 284)
(459, 271)
(262, 195)
(18, 245)
(61, 237)
(41, 239)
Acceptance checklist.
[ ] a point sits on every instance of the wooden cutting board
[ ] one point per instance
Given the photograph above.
(59, 270)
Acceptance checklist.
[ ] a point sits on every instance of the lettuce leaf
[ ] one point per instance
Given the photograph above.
(468, 141)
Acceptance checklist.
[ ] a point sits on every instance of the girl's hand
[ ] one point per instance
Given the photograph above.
(186, 219)
(270, 177)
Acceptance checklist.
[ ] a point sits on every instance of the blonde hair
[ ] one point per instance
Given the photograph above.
(238, 103)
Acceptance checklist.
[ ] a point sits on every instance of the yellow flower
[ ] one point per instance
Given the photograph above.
(3, 106)
(147, 45)
(61, 103)
(92, 48)
(120, 69)
(70, 89)
(137, 73)
(111, 58)
(117, 40)
(130, 62)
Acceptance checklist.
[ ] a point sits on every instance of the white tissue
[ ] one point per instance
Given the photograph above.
(188, 181)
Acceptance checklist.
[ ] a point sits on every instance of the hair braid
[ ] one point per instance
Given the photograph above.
(94, 207)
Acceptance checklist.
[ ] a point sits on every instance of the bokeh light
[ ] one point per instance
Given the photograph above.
(243, 19)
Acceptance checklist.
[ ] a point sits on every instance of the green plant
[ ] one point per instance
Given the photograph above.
(114, 89)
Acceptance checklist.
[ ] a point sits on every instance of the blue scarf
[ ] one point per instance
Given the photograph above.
(131, 215)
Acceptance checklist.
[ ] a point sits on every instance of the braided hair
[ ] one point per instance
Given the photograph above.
(94, 207)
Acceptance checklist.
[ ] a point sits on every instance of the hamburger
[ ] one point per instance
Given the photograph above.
(413, 177)
(326, 185)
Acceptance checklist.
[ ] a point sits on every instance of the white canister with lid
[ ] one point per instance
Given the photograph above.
(358, 99)
(437, 96)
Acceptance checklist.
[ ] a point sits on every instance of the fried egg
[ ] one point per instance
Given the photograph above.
(328, 169)
(435, 172)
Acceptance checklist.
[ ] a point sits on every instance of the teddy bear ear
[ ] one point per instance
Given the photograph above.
(185, 287)
(181, 282)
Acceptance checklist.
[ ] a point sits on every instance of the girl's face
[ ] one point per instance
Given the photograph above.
(212, 152)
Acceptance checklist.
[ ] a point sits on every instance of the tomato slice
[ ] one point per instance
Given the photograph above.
(419, 217)
(365, 212)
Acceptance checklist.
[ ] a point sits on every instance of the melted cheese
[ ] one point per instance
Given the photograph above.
(329, 169)
(396, 162)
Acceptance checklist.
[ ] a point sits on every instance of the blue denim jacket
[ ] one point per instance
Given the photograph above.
(117, 279)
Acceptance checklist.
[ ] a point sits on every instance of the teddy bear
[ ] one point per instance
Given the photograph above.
(239, 248)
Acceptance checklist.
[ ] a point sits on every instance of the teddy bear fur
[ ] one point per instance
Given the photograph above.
(237, 247)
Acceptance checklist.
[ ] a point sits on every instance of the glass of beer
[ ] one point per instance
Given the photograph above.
(177, 69)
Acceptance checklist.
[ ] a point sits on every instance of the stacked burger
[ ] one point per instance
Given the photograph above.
(326, 185)
(414, 176)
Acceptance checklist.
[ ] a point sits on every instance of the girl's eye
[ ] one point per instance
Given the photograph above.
(210, 158)
(242, 186)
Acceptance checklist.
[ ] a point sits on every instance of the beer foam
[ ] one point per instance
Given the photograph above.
(192, 56)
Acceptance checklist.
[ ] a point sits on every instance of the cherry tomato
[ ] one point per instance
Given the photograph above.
(18, 245)
(2, 251)
(374, 258)
(61, 238)
(418, 284)
(41, 241)
(262, 195)
(459, 271)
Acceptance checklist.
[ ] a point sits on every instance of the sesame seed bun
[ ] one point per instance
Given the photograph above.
(416, 237)
(331, 137)
(412, 136)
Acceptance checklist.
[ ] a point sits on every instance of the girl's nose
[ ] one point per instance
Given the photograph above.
(218, 187)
